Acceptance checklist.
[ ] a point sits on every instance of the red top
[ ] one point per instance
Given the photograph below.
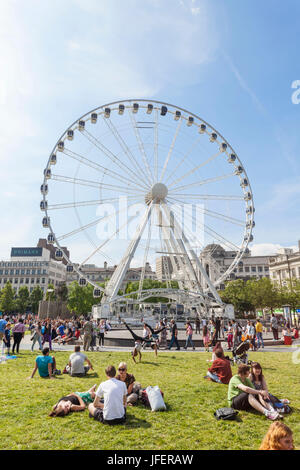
(221, 367)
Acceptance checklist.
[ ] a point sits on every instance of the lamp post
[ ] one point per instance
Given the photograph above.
(49, 290)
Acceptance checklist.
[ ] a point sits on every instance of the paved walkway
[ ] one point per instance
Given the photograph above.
(26, 343)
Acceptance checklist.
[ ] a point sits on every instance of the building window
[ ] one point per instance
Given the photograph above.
(27, 280)
(260, 269)
(43, 280)
(16, 281)
(253, 269)
(32, 280)
(11, 272)
(247, 269)
(1, 271)
(267, 268)
(22, 271)
(33, 271)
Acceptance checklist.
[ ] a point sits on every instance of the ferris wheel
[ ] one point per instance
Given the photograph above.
(138, 180)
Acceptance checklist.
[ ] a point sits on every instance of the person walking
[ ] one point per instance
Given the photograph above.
(47, 336)
(274, 326)
(259, 329)
(197, 325)
(87, 334)
(37, 336)
(174, 339)
(218, 328)
(18, 334)
(189, 333)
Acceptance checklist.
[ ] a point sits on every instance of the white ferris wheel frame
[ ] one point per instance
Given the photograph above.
(195, 291)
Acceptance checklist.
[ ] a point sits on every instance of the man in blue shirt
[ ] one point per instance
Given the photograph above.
(2, 330)
(45, 364)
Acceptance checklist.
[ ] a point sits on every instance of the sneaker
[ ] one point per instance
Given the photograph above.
(272, 415)
(285, 401)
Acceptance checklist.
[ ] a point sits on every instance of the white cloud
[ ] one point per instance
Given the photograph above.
(266, 249)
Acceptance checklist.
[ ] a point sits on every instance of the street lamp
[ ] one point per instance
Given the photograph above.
(49, 290)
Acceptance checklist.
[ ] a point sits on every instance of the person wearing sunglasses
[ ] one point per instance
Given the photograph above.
(129, 381)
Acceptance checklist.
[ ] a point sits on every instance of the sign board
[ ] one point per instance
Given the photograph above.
(16, 252)
(229, 311)
(105, 310)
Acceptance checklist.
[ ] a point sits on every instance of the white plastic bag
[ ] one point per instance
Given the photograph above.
(155, 398)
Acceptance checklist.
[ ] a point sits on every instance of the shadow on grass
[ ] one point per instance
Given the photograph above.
(134, 422)
(149, 362)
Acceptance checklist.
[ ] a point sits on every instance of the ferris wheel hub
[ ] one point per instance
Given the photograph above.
(159, 192)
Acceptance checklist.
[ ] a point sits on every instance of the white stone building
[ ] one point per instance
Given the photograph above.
(31, 267)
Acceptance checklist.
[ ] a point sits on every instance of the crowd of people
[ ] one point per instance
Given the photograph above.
(51, 331)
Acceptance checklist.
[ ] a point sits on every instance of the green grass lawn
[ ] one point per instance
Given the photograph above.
(187, 424)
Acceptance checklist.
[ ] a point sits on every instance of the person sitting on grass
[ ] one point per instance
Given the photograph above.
(278, 437)
(76, 401)
(113, 410)
(46, 365)
(76, 367)
(129, 379)
(220, 371)
(243, 396)
(259, 383)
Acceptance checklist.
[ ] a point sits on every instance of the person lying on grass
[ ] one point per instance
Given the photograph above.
(76, 401)
(278, 437)
(220, 370)
(259, 382)
(46, 365)
(243, 396)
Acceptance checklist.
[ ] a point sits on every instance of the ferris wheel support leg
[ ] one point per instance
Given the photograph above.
(116, 280)
(176, 243)
(177, 231)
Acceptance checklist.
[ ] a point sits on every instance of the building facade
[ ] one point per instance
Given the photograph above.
(31, 267)
(101, 275)
(285, 266)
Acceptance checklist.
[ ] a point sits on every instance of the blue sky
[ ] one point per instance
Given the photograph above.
(230, 62)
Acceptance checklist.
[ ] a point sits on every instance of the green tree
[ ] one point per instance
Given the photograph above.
(80, 299)
(62, 292)
(262, 293)
(237, 294)
(35, 297)
(22, 300)
(7, 304)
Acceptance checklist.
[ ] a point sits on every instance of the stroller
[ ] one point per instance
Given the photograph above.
(240, 352)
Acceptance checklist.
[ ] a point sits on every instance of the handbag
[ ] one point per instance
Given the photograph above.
(225, 413)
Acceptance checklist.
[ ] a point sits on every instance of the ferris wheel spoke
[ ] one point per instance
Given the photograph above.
(101, 169)
(96, 184)
(89, 225)
(69, 205)
(141, 147)
(108, 240)
(212, 197)
(170, 150)
(210, 231)
(112, 157)
(203, 182)
(124, 147)
(194, 144)
(213, 157)
(216, 215)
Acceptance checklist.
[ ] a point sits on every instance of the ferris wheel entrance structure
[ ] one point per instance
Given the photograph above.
(166, 183)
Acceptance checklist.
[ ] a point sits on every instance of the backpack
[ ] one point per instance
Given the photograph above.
(225, 413)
